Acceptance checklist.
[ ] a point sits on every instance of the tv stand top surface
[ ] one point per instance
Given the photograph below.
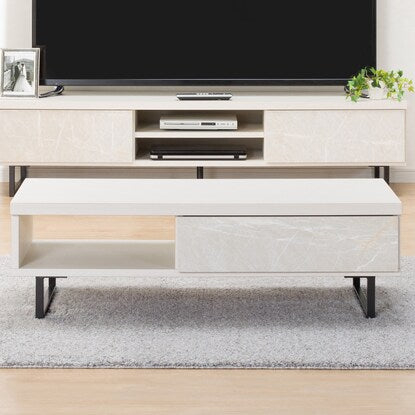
(116, 100)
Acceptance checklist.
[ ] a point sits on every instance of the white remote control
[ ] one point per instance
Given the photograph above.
(201, 96)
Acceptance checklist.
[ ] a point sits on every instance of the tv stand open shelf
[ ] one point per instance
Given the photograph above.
(255, 159)
(250, 135)
(250, 125)
(243, 131)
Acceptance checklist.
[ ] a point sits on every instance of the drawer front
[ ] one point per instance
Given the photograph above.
(330, 137)
(56, 136)
(287, 244)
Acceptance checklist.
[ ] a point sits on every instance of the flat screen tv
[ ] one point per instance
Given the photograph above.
(210, 42)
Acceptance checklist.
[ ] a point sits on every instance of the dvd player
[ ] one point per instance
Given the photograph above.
(199, 122)
(197, 153)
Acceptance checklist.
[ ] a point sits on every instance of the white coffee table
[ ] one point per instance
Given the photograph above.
(311, 227)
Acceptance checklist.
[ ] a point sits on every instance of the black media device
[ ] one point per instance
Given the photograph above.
(197, 153)
(210, 42)
(204, 96)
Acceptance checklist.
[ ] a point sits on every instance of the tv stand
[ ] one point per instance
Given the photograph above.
(279, 130)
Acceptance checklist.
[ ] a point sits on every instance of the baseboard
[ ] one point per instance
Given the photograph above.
(399, 175)
(4, 174)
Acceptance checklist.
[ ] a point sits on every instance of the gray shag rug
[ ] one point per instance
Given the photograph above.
(208, 323)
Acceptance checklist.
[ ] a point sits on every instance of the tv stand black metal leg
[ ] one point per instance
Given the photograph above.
(43, 301)
(386, 173)
(13, 186)
(368, 300)
(199, 172)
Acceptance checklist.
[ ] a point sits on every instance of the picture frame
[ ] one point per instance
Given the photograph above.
(19, 73)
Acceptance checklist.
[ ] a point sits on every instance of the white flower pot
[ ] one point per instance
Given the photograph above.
(378, 93)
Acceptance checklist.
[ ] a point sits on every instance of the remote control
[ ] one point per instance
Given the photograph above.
(201, 96)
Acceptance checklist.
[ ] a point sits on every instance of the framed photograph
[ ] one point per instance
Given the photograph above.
(19, 73)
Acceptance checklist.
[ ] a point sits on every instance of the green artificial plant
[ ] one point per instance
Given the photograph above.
(394, 83)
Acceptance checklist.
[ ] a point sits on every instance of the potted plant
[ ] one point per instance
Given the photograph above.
(378, 84)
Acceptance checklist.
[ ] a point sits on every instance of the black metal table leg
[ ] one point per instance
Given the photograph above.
(43, 302)
(13, 186)
(377, 172)
(368, 300)
(199, 171)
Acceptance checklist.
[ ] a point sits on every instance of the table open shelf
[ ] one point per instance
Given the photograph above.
(98, 258)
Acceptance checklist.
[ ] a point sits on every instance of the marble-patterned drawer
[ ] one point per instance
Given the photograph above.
(335, 137)
(57, 136)
(287, 244)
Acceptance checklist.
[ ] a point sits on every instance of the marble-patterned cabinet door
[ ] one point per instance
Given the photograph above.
(313, 244)
(361, 137)
(66, 136)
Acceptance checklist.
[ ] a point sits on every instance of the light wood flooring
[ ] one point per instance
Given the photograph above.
(119, 392)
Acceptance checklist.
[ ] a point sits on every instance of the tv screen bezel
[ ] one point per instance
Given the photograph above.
(206, 82)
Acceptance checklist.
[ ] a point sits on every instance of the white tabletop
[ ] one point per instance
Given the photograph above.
(188, 197)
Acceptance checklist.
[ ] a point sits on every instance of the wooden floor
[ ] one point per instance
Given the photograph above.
(119, 392)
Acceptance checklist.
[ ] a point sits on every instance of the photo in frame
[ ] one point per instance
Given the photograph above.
(19, 73)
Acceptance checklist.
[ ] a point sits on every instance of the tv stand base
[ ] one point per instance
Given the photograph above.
(13, 186)
(386, 173)
(199, 172)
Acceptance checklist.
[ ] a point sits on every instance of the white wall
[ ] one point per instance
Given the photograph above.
(396, 50)
(396, 43)
(15, 23)
(15, 32)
